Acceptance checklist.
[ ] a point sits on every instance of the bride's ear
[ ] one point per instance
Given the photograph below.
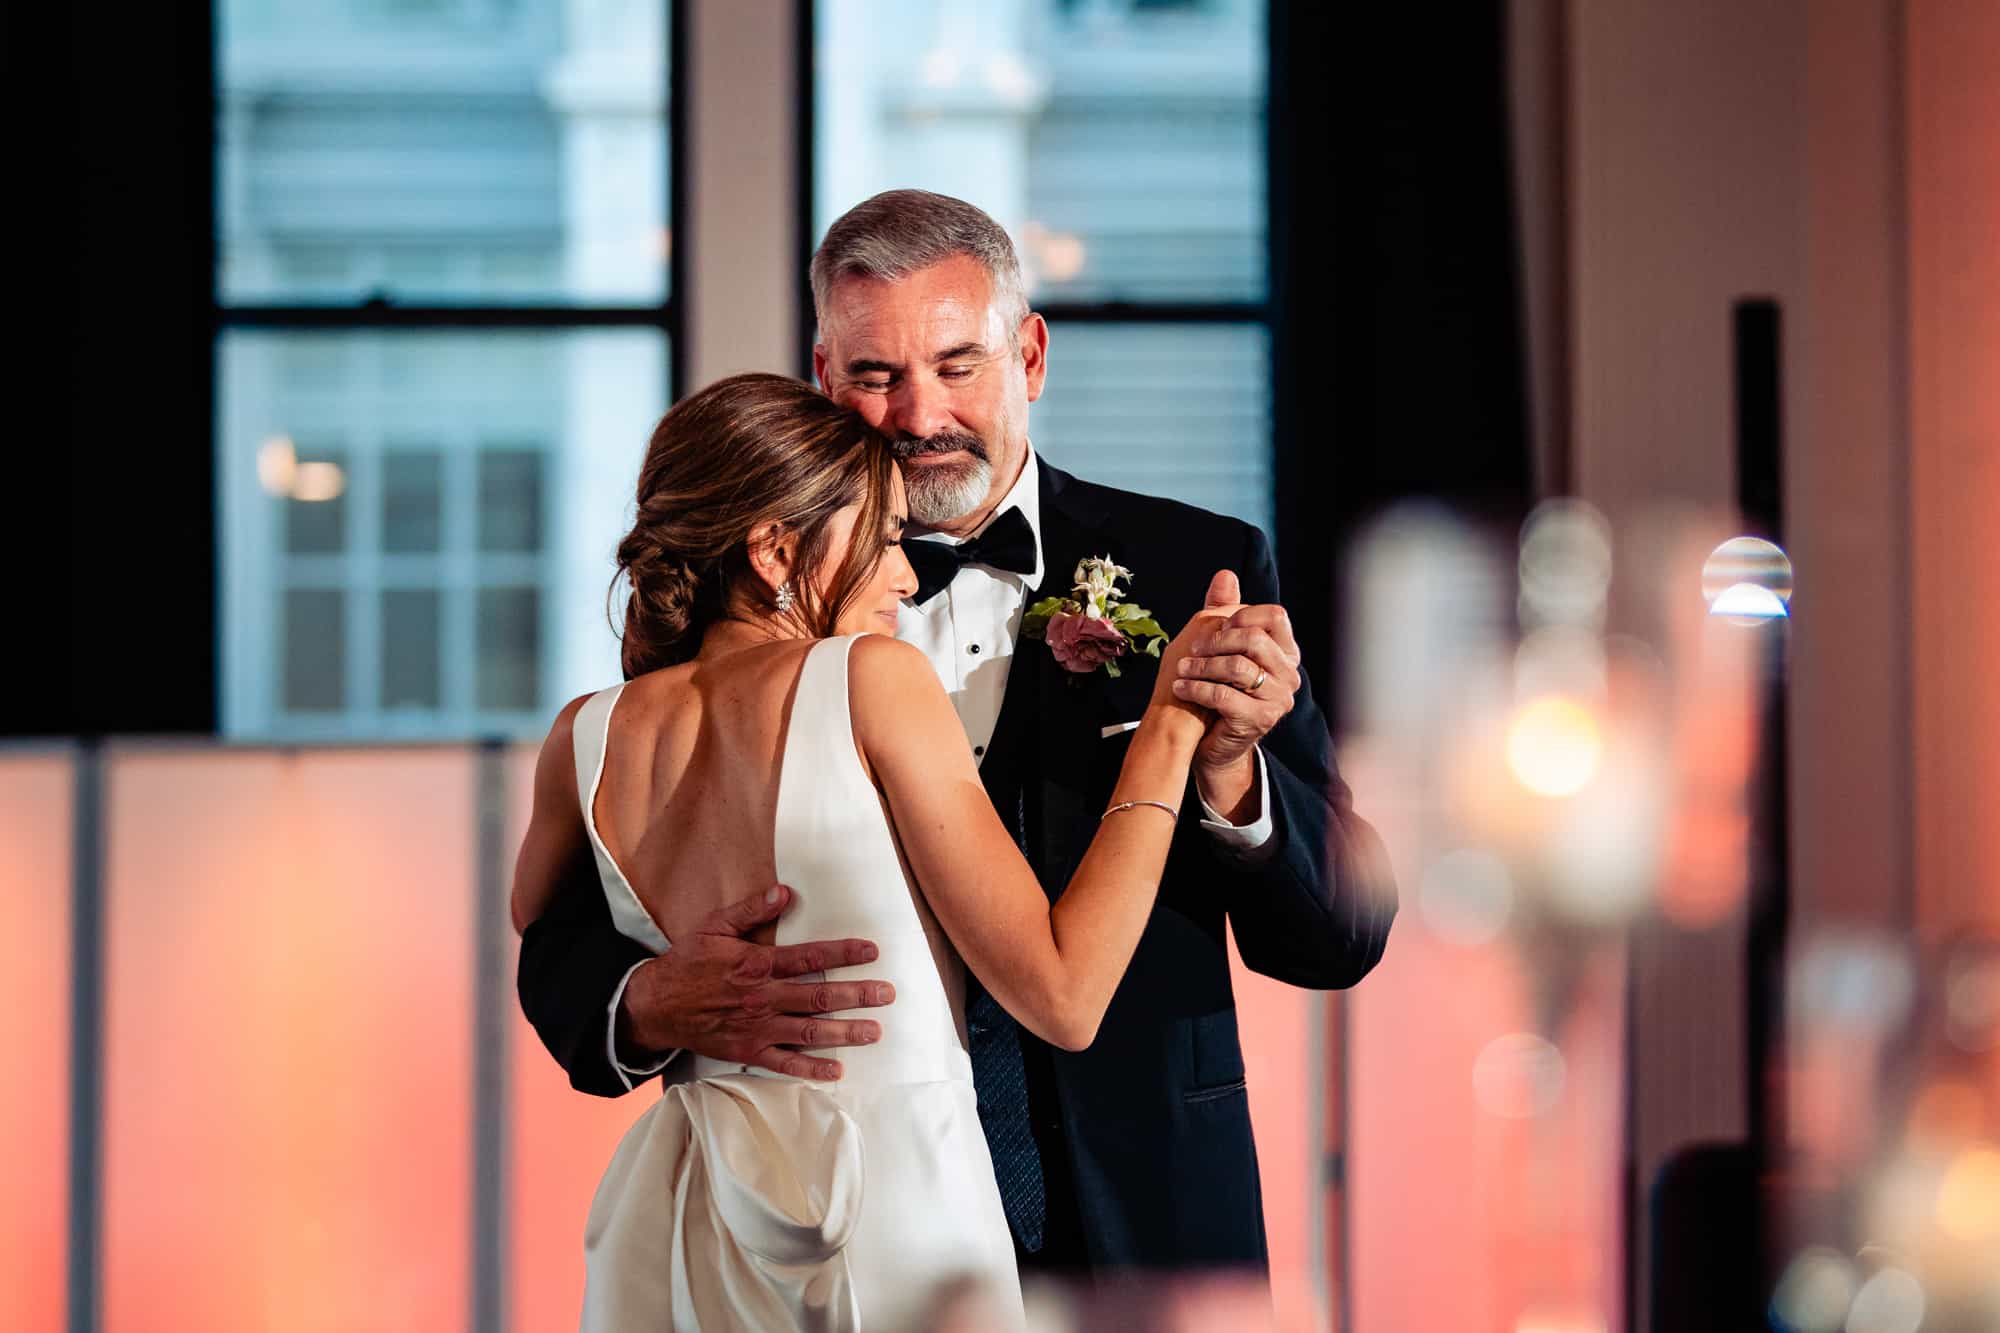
(772, 549)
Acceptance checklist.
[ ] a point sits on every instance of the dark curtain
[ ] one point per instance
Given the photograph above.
(109, 527)
(1399, 350)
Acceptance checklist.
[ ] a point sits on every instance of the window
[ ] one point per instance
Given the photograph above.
(1122, 145)
(443, 289)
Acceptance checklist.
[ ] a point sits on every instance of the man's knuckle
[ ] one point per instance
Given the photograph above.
(809, 1032)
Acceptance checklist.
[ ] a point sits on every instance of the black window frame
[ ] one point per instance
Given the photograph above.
(1257, 312)
(382, 313)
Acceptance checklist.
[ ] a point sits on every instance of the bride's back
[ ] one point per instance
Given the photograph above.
(689, 794)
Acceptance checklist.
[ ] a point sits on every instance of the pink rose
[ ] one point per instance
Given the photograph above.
(1084, 643)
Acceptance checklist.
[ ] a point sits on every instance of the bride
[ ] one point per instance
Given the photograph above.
(771, 728)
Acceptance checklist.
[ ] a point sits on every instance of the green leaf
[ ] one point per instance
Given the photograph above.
(1129, 611)
(1035, 623)
(1111, 670)
(1142, 628)
(1153, 648)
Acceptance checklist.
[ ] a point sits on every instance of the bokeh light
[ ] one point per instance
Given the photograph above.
(1560, 659)
(277, 464)
(1747, 562)
(1892, 1301)
(1972, 1001)
(1815, 1293)
(1604, 851)
(1565, 564)
(1746, 603)
(1968, 1206)
(1852, 982)
(1553, 746)
(1518, 1076)
(1466, 897)
(315, 482)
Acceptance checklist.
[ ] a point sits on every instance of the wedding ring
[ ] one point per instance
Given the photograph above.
(1257, 684)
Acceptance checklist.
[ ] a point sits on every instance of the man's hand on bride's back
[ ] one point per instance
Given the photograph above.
(718, 994)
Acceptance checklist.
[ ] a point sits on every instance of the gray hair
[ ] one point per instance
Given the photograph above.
(900, 232)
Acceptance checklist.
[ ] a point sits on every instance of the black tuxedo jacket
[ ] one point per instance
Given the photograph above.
(1153, 1119)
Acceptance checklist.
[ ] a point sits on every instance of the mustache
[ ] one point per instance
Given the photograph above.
(944, 442)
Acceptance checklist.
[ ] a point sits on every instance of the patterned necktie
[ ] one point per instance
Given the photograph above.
(1003, 1111)
(1008, 543)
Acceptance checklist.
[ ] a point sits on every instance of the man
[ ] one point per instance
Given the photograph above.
(1137, 1151)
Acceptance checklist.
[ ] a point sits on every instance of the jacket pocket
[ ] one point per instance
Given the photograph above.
(1214, 1093)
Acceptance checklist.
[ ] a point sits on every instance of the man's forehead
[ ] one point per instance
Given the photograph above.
(923, 313)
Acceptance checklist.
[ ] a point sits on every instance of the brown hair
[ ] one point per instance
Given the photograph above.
(745, 452)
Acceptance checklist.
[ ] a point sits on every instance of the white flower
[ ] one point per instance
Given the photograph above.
(1097, 584)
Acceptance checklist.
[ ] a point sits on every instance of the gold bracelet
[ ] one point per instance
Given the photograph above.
(1132, 805)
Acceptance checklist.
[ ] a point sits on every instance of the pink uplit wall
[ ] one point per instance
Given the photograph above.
(287, 1114)
(1464, 1215)
(1284, 1063)
(34, 1027)
(1953, 82)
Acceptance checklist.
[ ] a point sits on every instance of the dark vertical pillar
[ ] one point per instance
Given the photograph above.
(492, 1001)
(1759, 377)
(86, 1049)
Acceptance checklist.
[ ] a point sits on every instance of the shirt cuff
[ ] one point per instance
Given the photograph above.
(628, 1075)
(1251, 842)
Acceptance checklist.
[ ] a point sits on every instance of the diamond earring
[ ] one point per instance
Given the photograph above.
(784, 598)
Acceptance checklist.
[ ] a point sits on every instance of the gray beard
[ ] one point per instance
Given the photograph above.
(943, 494)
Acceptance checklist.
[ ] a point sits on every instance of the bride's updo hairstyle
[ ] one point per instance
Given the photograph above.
(744, 453)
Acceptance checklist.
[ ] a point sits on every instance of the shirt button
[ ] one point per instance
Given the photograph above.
(979, 749)
(974, 650)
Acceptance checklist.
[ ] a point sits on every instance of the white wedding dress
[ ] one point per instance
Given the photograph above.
(750, 1200)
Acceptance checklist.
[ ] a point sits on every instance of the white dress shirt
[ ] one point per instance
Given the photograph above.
(968, 631)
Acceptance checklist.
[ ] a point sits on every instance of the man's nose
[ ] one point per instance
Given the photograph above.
(917, 411)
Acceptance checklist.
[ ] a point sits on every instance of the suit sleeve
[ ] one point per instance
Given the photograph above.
(1317, 911)
(573, 961)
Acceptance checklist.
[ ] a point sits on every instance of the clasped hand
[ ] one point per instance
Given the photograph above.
(1243, 668)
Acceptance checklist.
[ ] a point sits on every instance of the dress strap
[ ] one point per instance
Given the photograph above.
(590, 735)
(821, 734)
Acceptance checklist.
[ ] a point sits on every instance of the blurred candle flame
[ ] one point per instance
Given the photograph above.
(1554, 746)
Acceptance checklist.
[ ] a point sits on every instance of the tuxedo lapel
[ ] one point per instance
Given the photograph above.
(1078, 761)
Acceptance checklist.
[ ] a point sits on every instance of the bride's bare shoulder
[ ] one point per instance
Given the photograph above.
(888, 679)
(877, 662)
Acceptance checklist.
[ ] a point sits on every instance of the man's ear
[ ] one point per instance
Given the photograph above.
(1034, 340)
(819, 369)
(771, 550)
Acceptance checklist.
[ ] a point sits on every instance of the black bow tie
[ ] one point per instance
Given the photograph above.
(1008, 543)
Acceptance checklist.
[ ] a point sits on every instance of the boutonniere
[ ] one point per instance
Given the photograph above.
(1095, 625)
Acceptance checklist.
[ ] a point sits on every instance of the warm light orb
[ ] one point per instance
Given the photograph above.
(1968, 1206)
(1062, 257)
(277, 465)
(1554, 746)
(314, 482)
